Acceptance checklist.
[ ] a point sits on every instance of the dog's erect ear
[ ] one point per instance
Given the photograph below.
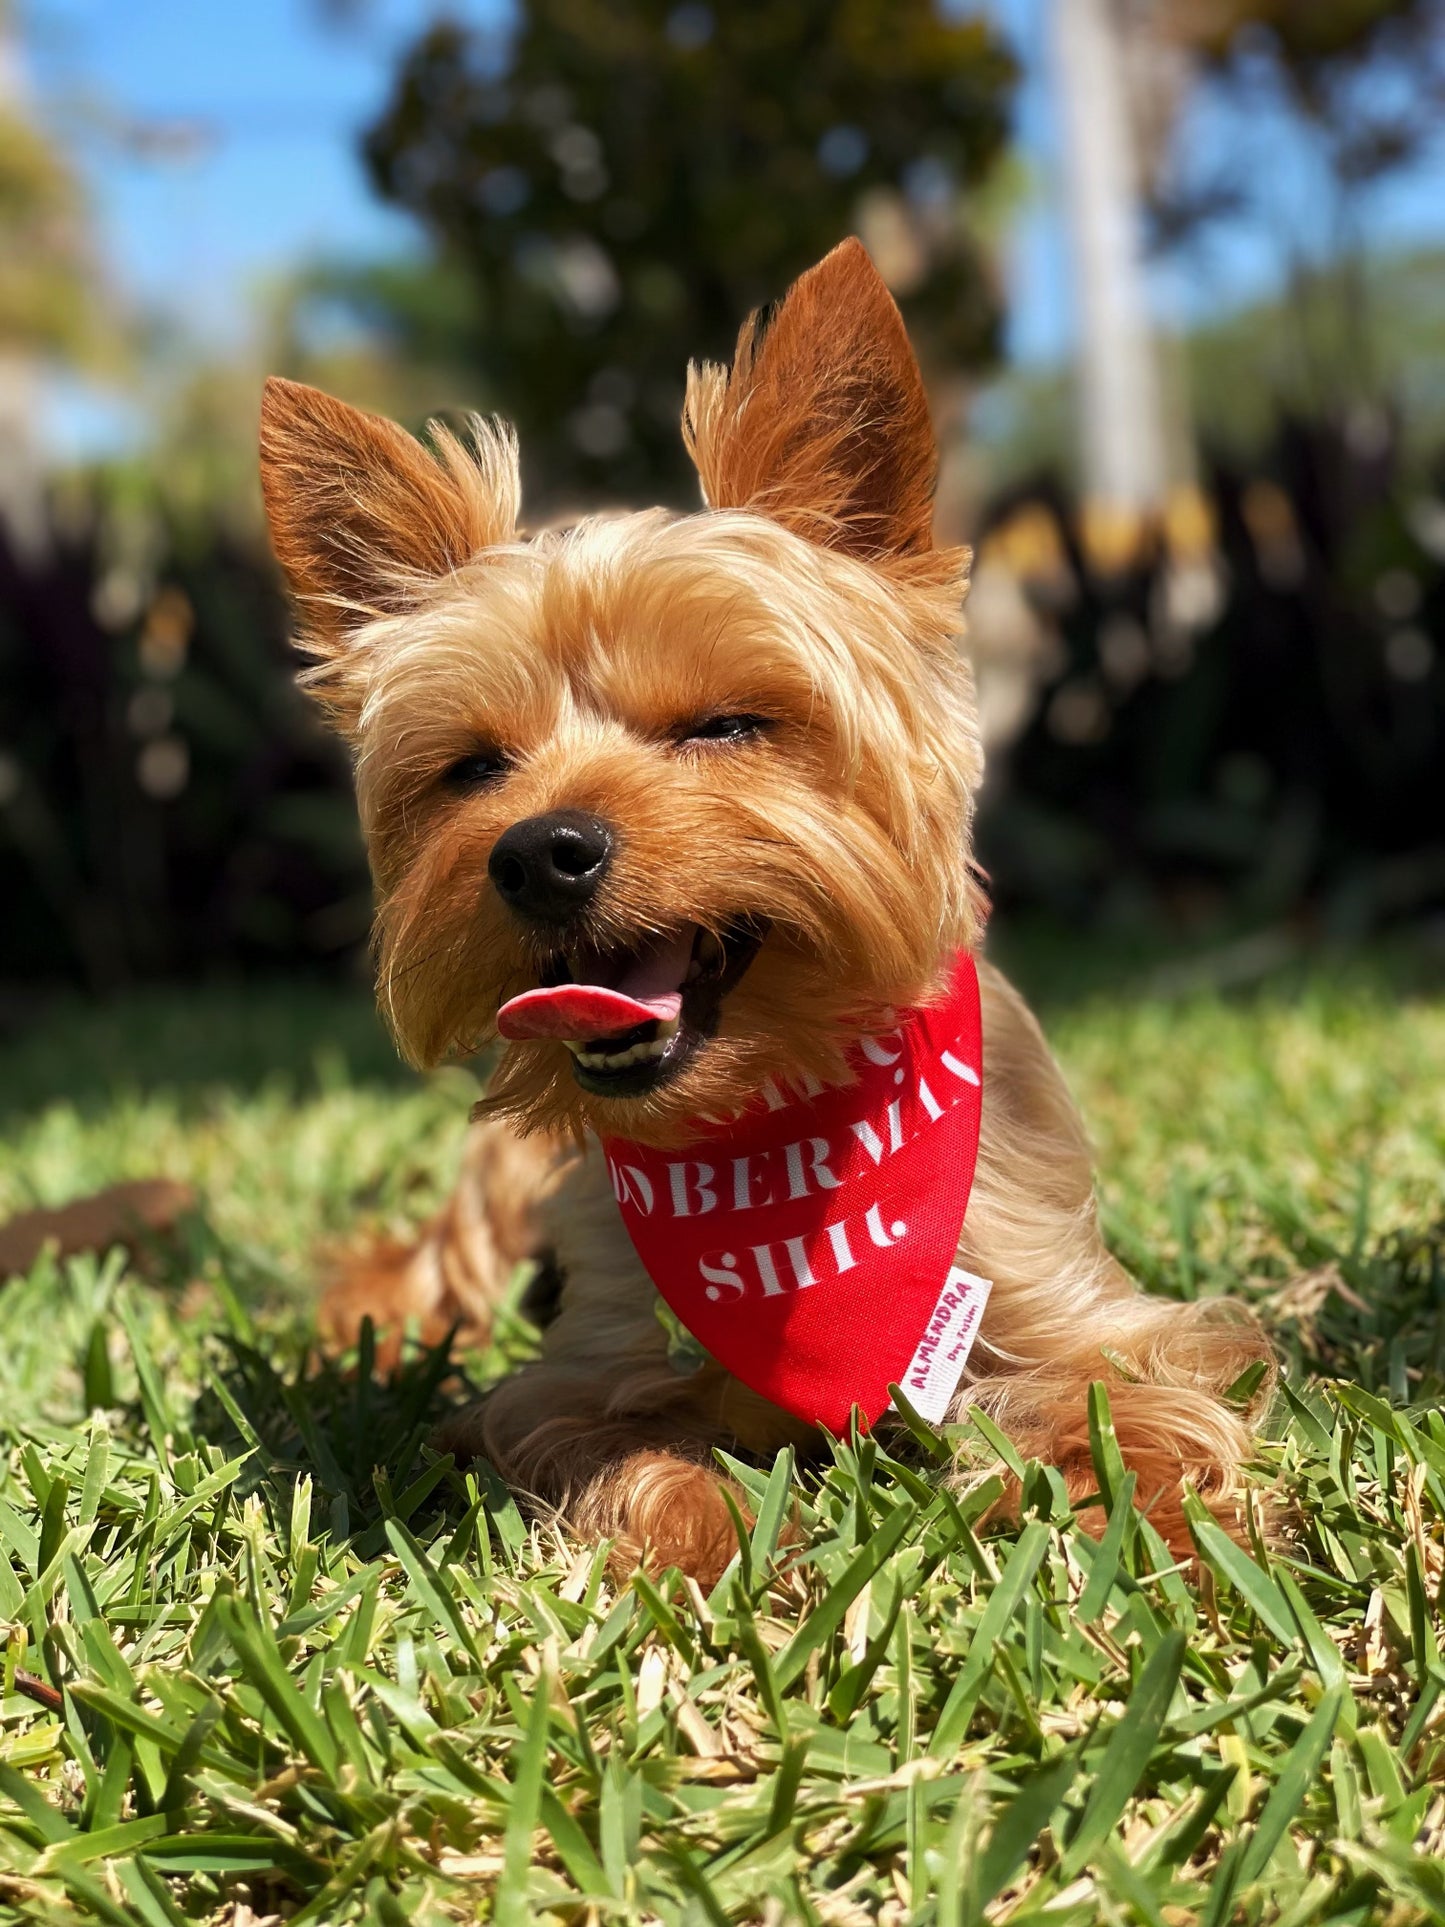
(362, 517)
(822, 422)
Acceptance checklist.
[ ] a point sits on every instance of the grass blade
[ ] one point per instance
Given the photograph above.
(824, 1621)
(513, 1907)
(1004, 1601)
(1294, 1782)
(1017, 1828)
(1128, 1753)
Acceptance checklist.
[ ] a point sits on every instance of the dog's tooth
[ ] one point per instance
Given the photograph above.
(646, 1052)
(694, 971)
(709, 950)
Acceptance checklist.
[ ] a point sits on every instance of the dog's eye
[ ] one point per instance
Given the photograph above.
(725, 729)
(470, 772)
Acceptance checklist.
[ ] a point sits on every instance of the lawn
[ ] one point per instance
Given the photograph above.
(310, 1671)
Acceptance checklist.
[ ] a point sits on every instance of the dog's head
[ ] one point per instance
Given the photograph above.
(685, 801)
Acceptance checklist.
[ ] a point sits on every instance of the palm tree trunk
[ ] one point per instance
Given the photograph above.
(1121, 415)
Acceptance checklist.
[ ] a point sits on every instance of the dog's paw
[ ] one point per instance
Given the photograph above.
(661, 1511)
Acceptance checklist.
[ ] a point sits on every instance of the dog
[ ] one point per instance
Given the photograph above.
(682, 805)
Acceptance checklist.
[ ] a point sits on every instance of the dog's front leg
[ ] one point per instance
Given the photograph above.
(456, 1268)
(626, 1462)
(604, 1429)
(1064, 1313)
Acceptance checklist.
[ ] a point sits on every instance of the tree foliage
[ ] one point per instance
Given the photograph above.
(1310, 34)
(48, 275)
(1369, 75)
(623, 179)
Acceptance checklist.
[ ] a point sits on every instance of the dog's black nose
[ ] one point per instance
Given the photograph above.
(549, 867)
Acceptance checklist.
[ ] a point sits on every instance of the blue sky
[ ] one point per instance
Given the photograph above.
(275, 98)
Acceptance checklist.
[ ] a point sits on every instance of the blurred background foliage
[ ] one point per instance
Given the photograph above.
(1213, 705)
(622, 180)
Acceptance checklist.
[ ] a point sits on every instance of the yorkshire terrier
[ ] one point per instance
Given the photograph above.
(680, 807)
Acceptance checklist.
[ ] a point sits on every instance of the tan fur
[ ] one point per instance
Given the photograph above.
(451, 1275)
(810, 593)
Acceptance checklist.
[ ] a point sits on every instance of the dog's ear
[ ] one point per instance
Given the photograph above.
(822, 422)
(363, 518)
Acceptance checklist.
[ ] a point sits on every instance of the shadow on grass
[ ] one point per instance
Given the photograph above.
(361, 1437)
(1057, 967)
(191, 1041)
(1376, 1319)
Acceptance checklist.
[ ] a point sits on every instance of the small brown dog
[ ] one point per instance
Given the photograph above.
(689, 799)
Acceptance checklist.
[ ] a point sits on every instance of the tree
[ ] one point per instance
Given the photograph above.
(1313, 37)
(1125, 70)
(1366, 76)
(624, 179)
(1121, 407)
(1363, 82)
(48, 309)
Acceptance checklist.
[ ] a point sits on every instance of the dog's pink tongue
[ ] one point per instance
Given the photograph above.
(648, 989)
(580, 1012)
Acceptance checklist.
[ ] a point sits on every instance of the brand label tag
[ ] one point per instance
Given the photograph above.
(936, 1367)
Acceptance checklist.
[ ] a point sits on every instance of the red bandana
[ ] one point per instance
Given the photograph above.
(810, 1245)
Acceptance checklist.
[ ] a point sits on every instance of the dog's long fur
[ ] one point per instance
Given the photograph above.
(809, 592)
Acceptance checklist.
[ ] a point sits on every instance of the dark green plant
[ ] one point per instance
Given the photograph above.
(168, 804)
(1278, 753)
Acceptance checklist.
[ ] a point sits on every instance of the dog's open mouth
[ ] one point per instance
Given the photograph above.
(633, 1017)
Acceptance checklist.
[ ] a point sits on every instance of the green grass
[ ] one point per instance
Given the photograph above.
(311, 1671)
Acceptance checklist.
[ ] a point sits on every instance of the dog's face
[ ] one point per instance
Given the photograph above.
(677, 803)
